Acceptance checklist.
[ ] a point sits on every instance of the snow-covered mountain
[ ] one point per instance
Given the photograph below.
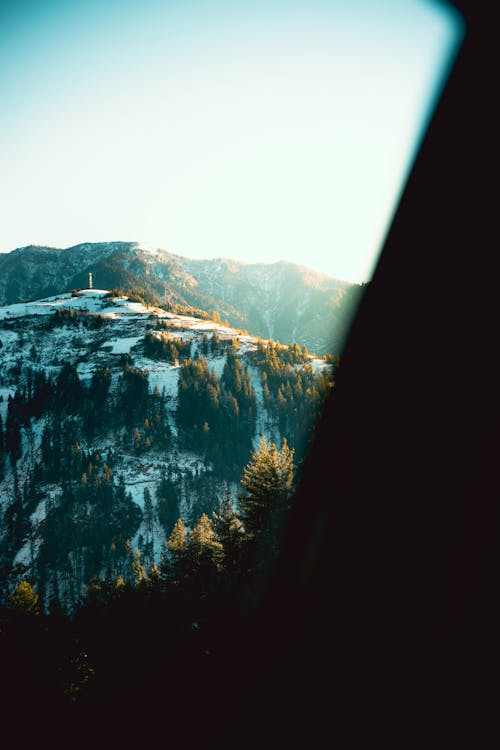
(281, 300)
(106, 402)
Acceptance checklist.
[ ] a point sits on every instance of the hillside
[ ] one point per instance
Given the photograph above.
(117, 418)
(282, 301)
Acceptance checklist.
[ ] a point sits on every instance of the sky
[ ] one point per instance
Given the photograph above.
(259, 130)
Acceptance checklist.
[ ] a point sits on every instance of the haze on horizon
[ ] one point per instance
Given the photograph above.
(263, 131)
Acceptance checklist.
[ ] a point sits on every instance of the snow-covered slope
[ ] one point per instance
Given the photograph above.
(92, 330)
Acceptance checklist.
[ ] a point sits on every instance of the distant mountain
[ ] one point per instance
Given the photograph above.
(281, 300)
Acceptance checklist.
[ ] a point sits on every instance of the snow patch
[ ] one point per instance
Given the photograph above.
(122, 346)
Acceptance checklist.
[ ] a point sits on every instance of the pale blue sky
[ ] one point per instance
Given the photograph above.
(261, 131)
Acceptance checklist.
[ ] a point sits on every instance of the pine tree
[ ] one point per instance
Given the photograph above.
(168, 495)
(229, 531)
(99, 387)
(24, 599)
(204, 549)
(174, 569)
(136, 438)
(268, 480)
(138, 569)
(178, 539)
(69, 390)
(154, 578)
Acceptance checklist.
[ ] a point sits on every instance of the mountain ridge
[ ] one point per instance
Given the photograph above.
(281, 300)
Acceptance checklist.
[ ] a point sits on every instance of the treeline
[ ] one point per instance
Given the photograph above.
(86, 513)
(150, 298)
(162, 346)
(69, 316)
(238, 537)
(293, 393)
(87, 510)
(143, 625)
(81, 489)
(64, 395)
(87, 529)
(217, 414)
(131, 406)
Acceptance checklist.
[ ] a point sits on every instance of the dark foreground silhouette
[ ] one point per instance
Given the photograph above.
(379, 618)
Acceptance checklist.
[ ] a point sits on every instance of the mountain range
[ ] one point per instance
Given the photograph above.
(282, 301)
